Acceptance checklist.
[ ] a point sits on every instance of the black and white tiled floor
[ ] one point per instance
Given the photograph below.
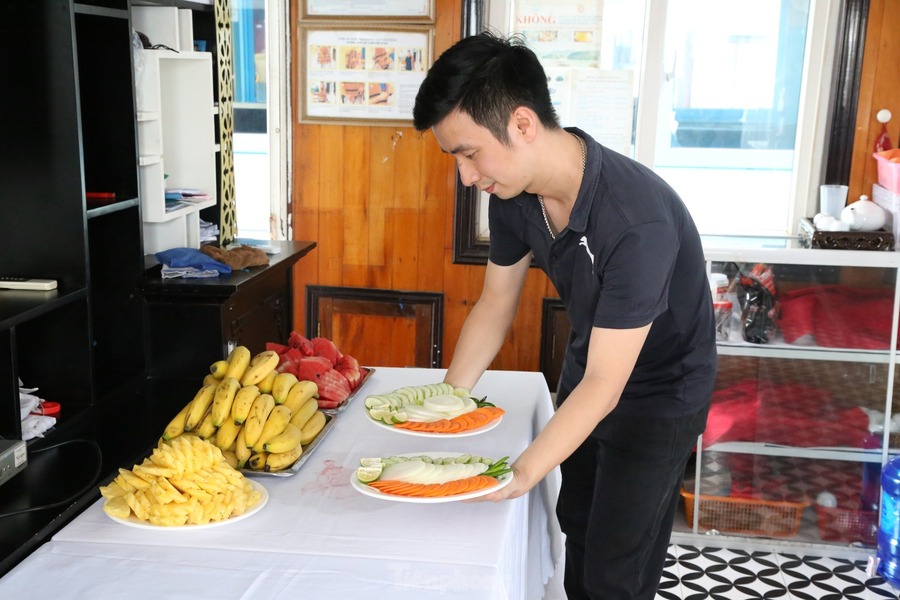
(699, 573)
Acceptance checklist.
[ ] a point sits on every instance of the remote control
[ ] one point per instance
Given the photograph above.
(25, 283)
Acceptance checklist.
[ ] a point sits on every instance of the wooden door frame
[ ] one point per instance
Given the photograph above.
(428, 342)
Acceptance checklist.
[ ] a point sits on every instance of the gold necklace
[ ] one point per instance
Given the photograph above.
(583, 145)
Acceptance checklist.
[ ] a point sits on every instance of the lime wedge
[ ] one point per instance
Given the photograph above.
(399, 417)
(368, 474)
(379, 412)
(370, 462)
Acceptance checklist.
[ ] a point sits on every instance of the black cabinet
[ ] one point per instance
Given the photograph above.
(191, 323)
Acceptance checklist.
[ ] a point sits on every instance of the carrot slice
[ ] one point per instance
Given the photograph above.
(466, 421)
(479, 417)
(435, 490)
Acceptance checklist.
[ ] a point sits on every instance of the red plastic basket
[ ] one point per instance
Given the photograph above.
(845, 525)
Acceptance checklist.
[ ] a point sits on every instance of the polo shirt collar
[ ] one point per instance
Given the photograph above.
(578, 219)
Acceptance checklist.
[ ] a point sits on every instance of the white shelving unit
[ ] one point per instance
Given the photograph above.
(808, 269)
(176, 140)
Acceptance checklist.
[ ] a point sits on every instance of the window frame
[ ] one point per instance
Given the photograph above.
(826, 123)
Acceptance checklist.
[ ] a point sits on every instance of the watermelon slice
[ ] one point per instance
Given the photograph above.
(349, 368)
(325, 348)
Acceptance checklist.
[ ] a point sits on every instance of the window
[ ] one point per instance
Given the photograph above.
(260, 137)
(731, 108)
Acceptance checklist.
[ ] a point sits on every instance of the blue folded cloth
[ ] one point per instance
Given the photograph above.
(191, 258)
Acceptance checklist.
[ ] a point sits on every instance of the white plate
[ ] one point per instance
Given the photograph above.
(368, 490)
(430, 434)
(133, 521)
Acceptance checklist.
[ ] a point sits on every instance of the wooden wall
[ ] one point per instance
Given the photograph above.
(379, 203)
(379, 200)
(879, 88)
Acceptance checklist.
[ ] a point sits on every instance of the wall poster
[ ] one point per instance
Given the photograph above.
(567, 36)
(362, 73)
(394, 10)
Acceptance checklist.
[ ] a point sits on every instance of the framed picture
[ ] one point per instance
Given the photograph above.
(395, 11)
(362, 73)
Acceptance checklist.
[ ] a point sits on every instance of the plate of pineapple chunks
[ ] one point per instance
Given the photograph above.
(185, 483)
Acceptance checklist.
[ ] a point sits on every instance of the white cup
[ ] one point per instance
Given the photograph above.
(832, 199)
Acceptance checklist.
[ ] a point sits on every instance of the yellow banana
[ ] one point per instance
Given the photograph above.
(282, 385)
(241, 451)
(210, 379)
(176, 425)
(312, 427)
(282, 460)
(305, 412)
(265, 386)
(258, 461)
(227, 434)
(230, 458)
(278, 419)
(199, 405)
(238, 361)
(243, 400)
(299, 394)
(256, 420)
(218, 369)
(223, 399)
(260, 366)
(206, 429)
(284, 441)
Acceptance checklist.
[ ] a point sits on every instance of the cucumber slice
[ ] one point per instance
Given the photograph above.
(372, 401)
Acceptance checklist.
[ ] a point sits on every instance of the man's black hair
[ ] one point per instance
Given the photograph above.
(485, 77)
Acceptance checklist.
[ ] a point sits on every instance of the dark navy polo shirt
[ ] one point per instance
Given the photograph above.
(630, 255)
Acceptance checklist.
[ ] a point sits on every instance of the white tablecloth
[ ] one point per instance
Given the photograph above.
(319, 538)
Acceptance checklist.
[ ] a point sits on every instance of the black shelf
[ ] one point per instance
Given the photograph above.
(21, 306)
(70, 128)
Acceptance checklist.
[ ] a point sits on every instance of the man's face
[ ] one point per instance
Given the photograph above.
(482, 160)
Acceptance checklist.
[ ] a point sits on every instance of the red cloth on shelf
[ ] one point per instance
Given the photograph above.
(797, 415)
(791, 414)
(837, 316)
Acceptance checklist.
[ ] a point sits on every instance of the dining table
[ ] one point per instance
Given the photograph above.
(318, 536)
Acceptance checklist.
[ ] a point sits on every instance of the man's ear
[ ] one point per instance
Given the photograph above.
(524, 123)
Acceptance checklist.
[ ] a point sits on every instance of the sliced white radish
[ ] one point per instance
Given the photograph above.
(415, 471)
(468, 405)
(444, 403)
(418, 413)
(409, 470)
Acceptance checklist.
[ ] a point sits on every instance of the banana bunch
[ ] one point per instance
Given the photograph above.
(185, 481)
(257, 417)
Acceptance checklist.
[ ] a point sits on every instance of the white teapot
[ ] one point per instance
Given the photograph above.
(863, 215)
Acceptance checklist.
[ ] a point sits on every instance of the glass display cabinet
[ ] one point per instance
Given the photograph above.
(804, 413)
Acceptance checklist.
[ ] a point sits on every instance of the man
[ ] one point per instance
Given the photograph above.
(625, 257)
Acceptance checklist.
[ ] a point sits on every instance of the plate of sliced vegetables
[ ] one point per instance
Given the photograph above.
(430, 477)
(433, 410)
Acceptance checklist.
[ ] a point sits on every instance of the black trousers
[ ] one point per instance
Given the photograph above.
(617, 503)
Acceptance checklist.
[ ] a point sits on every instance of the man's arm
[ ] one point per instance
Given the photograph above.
(611, 358)
(486, 327)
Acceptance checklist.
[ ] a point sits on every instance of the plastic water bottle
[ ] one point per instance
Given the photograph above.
(889, 529)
